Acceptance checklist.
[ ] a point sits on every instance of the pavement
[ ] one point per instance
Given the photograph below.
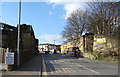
(31, 68)
(3, 66)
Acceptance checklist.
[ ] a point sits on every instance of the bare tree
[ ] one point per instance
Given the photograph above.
(104, 21)
(76, 24)
(104, 18)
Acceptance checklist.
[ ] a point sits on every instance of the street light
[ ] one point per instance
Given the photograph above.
(18, 40)
(54, 46)
(54, 42)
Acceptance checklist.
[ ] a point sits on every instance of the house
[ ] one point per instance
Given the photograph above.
(49, 47)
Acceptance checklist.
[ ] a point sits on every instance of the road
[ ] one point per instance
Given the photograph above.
(57, 64)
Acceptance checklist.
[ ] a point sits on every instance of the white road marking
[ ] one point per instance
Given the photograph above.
(51, 71)
(51, 61)
(56, 70)
(59, 61)
(64, 70)
(88, 68)
(71, 69)
(55, 61)
(67, 70)
(62, 61)
(59, 70)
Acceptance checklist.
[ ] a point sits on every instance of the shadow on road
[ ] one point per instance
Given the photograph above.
(49, 58)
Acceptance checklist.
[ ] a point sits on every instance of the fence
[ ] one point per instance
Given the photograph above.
(2, 55)
(4, 66)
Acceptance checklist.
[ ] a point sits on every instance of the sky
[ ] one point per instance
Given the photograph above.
(47, 17)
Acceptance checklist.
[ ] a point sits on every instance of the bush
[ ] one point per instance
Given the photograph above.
(98, 55)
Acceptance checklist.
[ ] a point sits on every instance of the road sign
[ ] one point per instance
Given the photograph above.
(9, 58)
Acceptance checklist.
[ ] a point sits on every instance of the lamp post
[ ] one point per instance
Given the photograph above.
(54, 45)
(54, 42)
(18, 40)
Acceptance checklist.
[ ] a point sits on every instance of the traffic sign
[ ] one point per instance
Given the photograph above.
(9, 58)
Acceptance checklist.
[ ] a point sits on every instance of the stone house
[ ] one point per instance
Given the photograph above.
(94, 43)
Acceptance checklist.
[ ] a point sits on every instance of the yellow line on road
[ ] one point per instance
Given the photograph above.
(51, 71)
(44, 73)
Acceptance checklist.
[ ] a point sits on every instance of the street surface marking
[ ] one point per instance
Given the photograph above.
(61, 61)
(44, 68)
(64, 70)
(88, 68)
(55, 61)
(51, 71)
(44, 73)
(51, 61)
(71, 69)
(59, 70)
(67, 69)
(56, 70)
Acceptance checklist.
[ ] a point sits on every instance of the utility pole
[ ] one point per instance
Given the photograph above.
(54, 45)
(18, 40)
(54, 42)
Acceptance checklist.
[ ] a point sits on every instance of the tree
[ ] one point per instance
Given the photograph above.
(76, 24)
(104, 21)
(104, 18)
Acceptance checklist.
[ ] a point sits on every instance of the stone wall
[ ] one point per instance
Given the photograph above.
(103, 44)
(96, 43)
(88, 41)
(28, 42)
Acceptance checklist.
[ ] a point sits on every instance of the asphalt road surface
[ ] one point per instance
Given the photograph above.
(57, 64)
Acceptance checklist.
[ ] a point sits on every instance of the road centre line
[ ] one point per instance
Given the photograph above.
(88, 68)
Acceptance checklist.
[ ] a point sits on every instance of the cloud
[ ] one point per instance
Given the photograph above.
(72, 5)
(57, 1)
(49, 38)
(50, 13)
(70, 8)
(69, 5)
